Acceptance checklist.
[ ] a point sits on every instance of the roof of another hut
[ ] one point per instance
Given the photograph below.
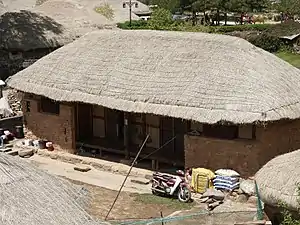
(32, 196)
(2, 8)
(291, 37)
(27, 30)
(279, 180)
(84, 11)
(196, 76)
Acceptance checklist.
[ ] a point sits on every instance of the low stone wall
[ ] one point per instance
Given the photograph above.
(10, 123)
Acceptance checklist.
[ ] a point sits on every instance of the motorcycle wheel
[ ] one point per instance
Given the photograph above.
(153, 191)
(184, 195)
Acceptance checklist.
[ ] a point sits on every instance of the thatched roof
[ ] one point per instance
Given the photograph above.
(31, 196)
(15, 5)
(279, 180)
(197, 76)
(27, 30)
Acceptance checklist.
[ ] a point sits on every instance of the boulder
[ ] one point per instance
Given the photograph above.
(252, 200)
(82, 168)
(242, 198)
(215, 194)
(248, 187)
(25, 152)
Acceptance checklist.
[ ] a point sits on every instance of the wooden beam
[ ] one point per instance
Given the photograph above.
(126, 134)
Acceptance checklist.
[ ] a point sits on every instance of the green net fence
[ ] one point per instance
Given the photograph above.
(196, 218)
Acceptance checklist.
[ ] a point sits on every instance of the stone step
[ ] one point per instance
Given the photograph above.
(13, 152)
(5, 149)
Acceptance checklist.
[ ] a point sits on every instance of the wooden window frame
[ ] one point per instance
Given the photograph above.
(46, 105)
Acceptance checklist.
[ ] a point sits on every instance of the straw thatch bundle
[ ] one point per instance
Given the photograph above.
(27, 30)
(195, 76)
(279, 180)
(31, 196)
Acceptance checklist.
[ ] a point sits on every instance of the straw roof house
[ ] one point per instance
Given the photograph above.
(279, 180)
(113, 87)
(31, 196)
(194, 76)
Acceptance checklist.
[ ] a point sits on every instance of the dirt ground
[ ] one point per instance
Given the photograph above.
(130, 205)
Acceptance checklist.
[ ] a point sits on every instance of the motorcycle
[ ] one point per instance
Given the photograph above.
(171, 185)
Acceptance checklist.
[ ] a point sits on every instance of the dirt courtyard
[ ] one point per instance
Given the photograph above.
(130, 205)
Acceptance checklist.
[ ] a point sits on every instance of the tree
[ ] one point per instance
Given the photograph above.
(257, 5)
(171, 5)
(160, 18)
(289, 7)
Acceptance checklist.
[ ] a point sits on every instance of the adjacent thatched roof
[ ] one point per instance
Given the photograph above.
(2, 8)
(81, 15)
(279, 180)
(197, 76)
(30, 196)
(27, 30)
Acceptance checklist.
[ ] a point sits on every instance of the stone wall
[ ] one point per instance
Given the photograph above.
(59, 129)
(244, 156)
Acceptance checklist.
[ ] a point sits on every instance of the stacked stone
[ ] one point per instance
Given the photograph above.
(14, 102)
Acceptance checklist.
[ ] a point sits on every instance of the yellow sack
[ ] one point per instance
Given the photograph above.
(201, 179)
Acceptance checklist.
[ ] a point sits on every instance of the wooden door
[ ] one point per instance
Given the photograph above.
(179, 129)
(84, 121)
(114, 126)
(166, 135)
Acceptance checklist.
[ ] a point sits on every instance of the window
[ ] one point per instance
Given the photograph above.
(49, 106)
(223, 131)
(220, 131)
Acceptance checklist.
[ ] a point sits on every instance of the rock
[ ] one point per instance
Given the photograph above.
(5, 149)
(214, 205)
(14, 102)
(204, 200)
(252, 200)
(82, 168)
(210, 200)
(242, 198)
(239, 191)
(248, 187)
(213, 193)
(234, 194)
(26, 152)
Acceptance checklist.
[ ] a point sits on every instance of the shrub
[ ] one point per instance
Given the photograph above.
(105, 10)
(135, 25)
(267, 42)
(250, 27)
(160, 18)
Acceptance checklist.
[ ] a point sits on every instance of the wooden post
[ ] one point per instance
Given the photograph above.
(126, 134)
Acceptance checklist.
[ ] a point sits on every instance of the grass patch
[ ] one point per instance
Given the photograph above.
(105, 10)
(172, 203)
(290, 57)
